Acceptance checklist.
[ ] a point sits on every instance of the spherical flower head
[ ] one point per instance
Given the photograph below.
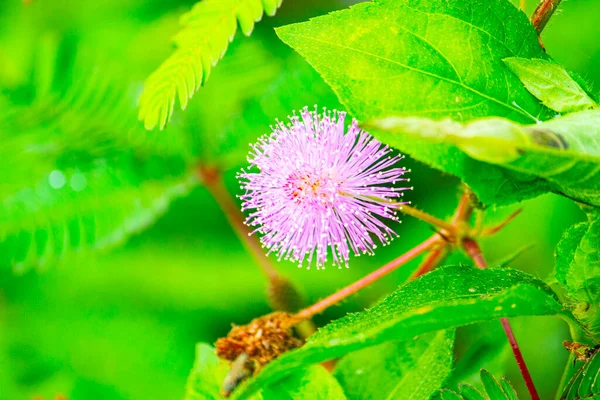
(321, 190)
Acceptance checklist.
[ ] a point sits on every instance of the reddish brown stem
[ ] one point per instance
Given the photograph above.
(519, 357)
(497, 228)
(367, 280)
(215, 185)
(474, 251)
(425, 217)
(433, 259)
(464, 210)
(543, 13)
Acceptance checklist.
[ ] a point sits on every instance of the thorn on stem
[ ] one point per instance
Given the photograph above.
(499, 227)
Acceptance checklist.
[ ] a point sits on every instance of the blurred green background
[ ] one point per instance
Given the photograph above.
(122, 324)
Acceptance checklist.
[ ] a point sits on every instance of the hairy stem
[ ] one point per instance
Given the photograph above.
(423, 216)
(437, 255)
(281, 293)
(367, 280)
(433, 259)
(215, 185)
(499, 227)
(543, 13)
(474, 251)
(464, 210)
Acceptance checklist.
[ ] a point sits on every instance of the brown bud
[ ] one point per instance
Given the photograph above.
(263, 340)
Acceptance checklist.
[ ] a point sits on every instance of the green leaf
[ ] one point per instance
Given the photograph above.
(433, 58)
(411, 369)
(90, 178)
(315, 383)
(578, 270)
(207, 30)
(207, 375)
(498, 158)
(442, 299)
(468, 392)
(584, 383)
(493, 390)
(551, 83)
(241, 78)
(487, 345)
(491, 386)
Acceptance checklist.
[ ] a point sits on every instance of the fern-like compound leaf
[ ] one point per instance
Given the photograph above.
(493, 390)
(80, 175)
(207, 31)
(585, 382)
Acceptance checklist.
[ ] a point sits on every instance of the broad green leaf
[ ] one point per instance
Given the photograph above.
(412, 369)
(207, 30)
(206, 377)
(442, 299)
(432, 58)
(578, 270)
(208, 373)
(551, 83)
(314, 383)
(561, 155)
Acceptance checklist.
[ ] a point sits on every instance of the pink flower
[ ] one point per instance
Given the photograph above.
(320, 190)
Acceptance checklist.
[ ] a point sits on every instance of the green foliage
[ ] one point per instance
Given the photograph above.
(207, 30)
(411, 369)
(206, 378)
(296, 86)
(94, 177)
(551, 83)
(561, 155)
(493, 390)
(584, 384)
(445, 298)
(313, 383)
(124, 325)
(208, 373)
(487, 347)
(208, 121)
(578, 270)
(396, 58)
(79, 173)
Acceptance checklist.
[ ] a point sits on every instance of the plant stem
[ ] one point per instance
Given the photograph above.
(215, 185)
(433, 259)
(281, 292)
(499, 227)
(367, 280)
(474, 251)
(519, 357)
(423, 216)
(464, 210)
(543, 13)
